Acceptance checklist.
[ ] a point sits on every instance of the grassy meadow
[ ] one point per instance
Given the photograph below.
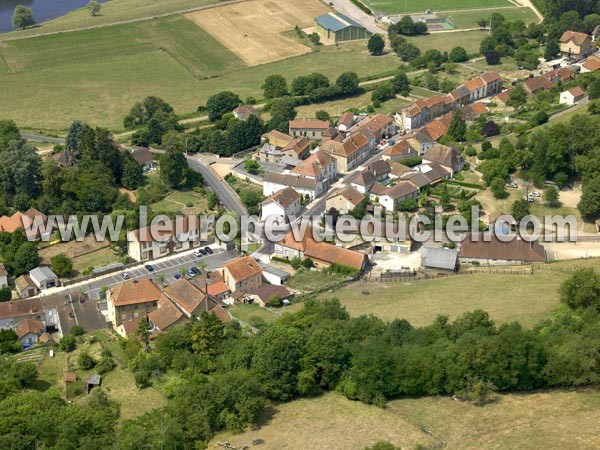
(399, 6)
(557, 419)
(468, 19)
(523, 298)
(97, 75)
(111, 12)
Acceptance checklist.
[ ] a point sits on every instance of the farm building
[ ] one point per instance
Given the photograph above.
(338, 27)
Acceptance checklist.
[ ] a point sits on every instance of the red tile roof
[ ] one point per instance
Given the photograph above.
(333, 254)
(309, 124)
(27, 326)
(243, 268)
(514, 250)
(134, 291)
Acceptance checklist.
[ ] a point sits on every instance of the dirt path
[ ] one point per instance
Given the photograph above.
(528, 4)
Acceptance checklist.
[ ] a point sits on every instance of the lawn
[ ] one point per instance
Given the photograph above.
(98, 258)
(179, 202)
(444, 42)
(310, 280)
(468, 19)
(253, 314)
(398, 6)
(542, 420)
(110, 78)
(523, 298)
(112, 12)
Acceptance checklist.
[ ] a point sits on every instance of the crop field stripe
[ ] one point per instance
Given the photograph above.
(414, 6)
(191, 46)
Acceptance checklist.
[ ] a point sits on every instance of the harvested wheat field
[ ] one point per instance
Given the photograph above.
(253, 30)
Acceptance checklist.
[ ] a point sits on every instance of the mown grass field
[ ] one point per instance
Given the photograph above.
(398, 6)
(177, 202)
(469, 40)
(97, 78)
(112, 12)
(468, 19)
(522, 298)
(542, 420)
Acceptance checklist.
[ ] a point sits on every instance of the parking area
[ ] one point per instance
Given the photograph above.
(167, 268)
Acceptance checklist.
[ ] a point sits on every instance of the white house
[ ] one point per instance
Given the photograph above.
(307, 187)
(319, 166)
(283, 203)
(571, 96)
(398, 193)
(160, 240)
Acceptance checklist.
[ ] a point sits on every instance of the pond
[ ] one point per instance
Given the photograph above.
(43, 10)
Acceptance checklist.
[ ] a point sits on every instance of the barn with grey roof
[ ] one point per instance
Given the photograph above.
(338, 28)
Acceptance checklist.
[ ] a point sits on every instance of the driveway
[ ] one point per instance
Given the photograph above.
(349, 9)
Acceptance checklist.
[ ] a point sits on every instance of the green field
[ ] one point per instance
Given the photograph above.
(557, 419)
(468, 19)
(470, 40)
(97, 75)
(400, 6)
(524, 298)
(112, 12)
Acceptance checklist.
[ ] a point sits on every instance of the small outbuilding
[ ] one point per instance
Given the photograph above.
(92, 381)
(571, 96)
(439, 258)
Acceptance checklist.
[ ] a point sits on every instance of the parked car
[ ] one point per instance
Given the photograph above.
(177, 276)
(208, 250)
(124, 275)
(190, 273)
(535, 194)
(195, 270)
(197, 253)
(149, 268)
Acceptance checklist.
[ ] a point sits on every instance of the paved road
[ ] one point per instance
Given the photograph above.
(40, 138)
(227, 196)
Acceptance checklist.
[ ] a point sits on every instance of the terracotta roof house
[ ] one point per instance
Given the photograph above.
(437, 128)
(380, 125)
(502, 98)
(563, 74)
(434, 172)
(515, 251)
(537, 84)
(446, 156)
(399, 151)
(592, 64)
(470, 112)
(352, 151)
(14, 311)
(311, 129)
(284, 203)
(345, 122)
(166, 315)
(345, 200)
(243, 112)
(572, 96)
(323, 255)
(131, 300)
(242, 274)
(29, 330)
(574, 43)
(187, 296)
(319, 166)
(22, 220)
(289, 247)
(218, 290)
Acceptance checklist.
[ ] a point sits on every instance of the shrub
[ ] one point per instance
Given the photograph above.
(85, 361)
(105, 365)
(77, 330)
(68, 343)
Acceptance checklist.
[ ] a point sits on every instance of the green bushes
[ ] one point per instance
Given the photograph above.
(362, 6)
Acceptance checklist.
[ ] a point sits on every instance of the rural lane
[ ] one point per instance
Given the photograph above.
(40, 138)
(226, 194)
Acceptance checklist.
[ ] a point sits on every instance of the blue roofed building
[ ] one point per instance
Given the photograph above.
(338, 28)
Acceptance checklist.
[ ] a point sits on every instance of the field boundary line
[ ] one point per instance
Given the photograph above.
(124, 22)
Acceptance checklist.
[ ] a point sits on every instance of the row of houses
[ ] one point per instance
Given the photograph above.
(425, 110)
(390, 183)
(31, 319)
